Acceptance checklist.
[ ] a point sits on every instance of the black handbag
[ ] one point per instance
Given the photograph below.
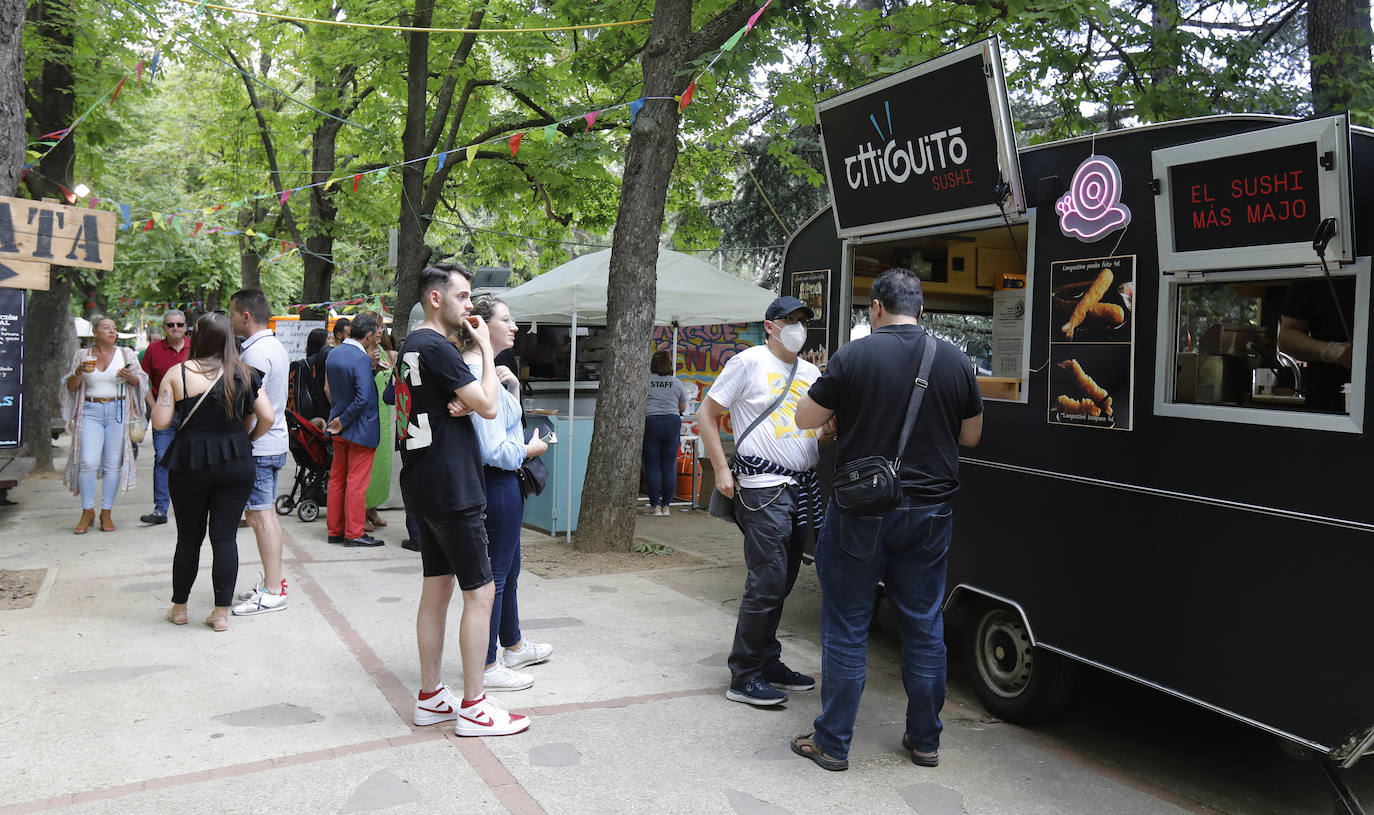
(534, 473)
(720, 506)
(872, 485)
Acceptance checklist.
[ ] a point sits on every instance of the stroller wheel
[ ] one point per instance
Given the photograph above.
(284, 504)
(308, 510)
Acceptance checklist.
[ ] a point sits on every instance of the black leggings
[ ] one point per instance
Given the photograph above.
(219, 494)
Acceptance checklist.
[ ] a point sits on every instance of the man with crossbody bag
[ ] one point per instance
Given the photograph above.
(897, 377)
(775, 469)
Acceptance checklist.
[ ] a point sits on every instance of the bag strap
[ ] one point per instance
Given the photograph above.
(918, 392)
(203, 394)
(739, 440)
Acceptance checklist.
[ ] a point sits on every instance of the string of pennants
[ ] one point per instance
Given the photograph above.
(351, 300)
(127, 304)
(196, 220)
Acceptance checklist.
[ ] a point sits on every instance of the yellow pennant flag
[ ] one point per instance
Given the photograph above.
(250, 233)
(472, 153)
(328, 184)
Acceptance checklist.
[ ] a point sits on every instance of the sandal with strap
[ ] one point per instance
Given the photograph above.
(218, 622)
(175, 617)
(805, 746)
(920, 759)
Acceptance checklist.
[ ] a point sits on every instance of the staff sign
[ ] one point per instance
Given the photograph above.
(37, 233)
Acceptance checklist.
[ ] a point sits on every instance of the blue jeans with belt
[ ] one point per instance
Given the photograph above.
(102, 451)
(661, 435)
(906, 548)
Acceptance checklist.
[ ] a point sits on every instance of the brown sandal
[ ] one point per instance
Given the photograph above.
(106, 522)
(87, 516)
(217, 621)
(175, 617)
(805, 746)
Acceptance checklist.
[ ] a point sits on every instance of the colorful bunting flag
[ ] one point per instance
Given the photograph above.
(124, 211)
(515, 143)
(197, 229)
(686, 98)
(148, 225)
(756, 17)
(734, 39)
(115, 95)
(356, 179)
(591, 119)
(635, 107)
(472, 153)
(139, 69)
(285, 194)
(550, 131)
(93, 202)
(443, 158)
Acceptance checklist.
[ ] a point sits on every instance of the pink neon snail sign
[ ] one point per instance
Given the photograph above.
(1092, 207)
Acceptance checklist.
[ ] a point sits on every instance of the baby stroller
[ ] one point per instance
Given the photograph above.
(313, 454)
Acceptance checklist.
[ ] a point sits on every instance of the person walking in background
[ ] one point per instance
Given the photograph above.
(262, 351)
(504, 449)
(905, 547)
(441, 481)
(777, 494)
(105, 389)
(215, 398)
(379, 488)
(353, 423)
(662, 431)
(159, 358)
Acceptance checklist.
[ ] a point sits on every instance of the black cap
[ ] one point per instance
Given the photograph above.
(784, 306)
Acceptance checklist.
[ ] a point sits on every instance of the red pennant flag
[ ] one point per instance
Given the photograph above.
(755, 18)
(148, 225)
(217, 208)
(286, 194)
(56, 134)
(139, 68)
(115, 95)
(197, 229)
(93, 202)
(591, 119)
(356, 179)
(515, 142)
(283, 247)
(686, 97)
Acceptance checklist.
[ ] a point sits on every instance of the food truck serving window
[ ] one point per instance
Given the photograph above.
(1276, 347)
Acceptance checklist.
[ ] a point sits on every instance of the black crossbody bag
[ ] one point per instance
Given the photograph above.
(720, 506)
(872, 485)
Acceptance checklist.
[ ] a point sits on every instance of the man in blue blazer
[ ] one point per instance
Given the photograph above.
(356, 428)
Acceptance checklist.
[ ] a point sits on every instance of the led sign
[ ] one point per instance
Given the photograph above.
(1092, 207)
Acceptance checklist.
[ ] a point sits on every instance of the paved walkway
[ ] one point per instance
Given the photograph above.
(107, 708)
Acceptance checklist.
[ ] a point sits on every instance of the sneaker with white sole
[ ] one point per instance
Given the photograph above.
(247, 594)
(260, 603)
(530, 653)
(501, 677)
(483, 717)
(439, 706)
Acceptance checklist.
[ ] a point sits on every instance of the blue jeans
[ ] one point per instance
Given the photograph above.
(102, 451)
(773, 546)
(161, 439)
(906, 549)
(661, 435)
(505, 509)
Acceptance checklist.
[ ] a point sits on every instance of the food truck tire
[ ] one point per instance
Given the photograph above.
(1015, 680)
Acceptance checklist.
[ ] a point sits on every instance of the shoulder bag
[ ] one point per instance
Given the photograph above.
(533, 473)
(138, 424)
(720, 506)
(872, 485)
(167, 453)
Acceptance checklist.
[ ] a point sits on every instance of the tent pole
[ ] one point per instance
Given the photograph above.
(674, 347)
(572, 383)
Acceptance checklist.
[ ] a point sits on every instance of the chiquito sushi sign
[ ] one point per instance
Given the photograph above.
(932, 144)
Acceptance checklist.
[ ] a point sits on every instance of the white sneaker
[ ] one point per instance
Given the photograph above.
(530, 653)
(441, 707)
(501, 677)
(248, 593)
(260, 603)
(664, 511)
(486, 718)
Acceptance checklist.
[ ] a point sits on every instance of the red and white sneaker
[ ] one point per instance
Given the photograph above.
(483, 717)
(432, 708)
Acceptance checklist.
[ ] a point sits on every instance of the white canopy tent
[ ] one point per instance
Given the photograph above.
(690, 292)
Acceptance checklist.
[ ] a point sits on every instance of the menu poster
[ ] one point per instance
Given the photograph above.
(293, 333)
(1092, 337)
(1008, 331)
(11, 366)
(810, 288)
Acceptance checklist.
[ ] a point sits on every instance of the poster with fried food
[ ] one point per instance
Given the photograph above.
(1092, 300)
(1092, 341)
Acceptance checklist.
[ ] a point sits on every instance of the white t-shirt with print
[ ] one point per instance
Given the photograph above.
(749, 383)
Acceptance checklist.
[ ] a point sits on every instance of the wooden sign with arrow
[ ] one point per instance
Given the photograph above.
(35, 234)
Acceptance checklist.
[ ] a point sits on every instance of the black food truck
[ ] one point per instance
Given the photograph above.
(1171, 330)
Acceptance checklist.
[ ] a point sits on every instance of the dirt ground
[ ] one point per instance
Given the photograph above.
(554, 558)
(19, 587)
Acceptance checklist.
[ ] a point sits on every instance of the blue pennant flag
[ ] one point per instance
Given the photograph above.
(634, 109)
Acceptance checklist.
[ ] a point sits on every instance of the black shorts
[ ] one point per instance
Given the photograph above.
(456, 544)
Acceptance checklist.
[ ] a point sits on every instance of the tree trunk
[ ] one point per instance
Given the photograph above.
(12, 136)
(1338, 37)
(50, 106)
(607, 518)
(250, 262)
(318, 259)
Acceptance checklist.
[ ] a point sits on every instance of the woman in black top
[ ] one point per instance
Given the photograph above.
(210, 458)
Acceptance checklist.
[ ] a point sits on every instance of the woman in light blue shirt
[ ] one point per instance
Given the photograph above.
(504, 449)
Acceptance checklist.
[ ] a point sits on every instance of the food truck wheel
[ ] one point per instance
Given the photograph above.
(1013, 679)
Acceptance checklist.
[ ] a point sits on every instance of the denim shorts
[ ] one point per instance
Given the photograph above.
(265, 481)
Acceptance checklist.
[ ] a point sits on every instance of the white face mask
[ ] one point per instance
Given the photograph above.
(792, 337)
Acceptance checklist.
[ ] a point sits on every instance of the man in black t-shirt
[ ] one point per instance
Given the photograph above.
(442, 485)
(866, 386)
(1313, 329)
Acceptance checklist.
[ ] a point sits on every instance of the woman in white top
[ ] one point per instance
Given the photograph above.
(103, 393)
(662, 428)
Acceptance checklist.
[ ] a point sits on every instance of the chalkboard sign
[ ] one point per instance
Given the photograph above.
(11, 367)
(1254, 199)
(931, 144)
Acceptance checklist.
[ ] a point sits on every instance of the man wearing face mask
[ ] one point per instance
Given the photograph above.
(773, 482)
